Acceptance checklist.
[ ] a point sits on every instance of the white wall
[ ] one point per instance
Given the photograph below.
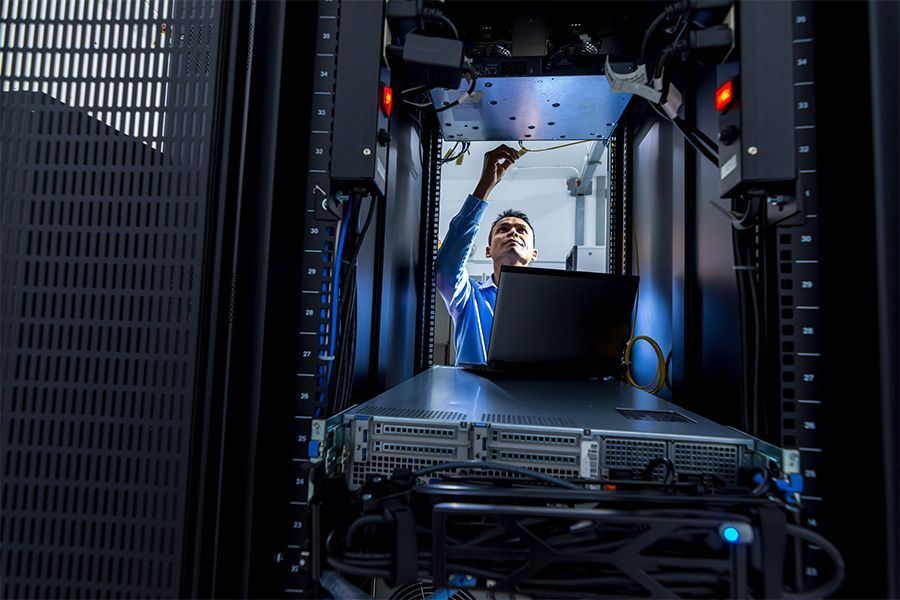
(550, 209)
(536, 185)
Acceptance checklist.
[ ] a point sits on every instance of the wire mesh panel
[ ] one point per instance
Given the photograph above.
(105, 131)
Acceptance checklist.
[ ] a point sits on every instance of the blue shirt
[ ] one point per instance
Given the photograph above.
(471, 303)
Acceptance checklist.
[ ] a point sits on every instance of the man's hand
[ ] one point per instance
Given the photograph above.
(496, 162)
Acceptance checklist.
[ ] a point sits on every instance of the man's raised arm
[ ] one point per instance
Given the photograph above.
(452, 277)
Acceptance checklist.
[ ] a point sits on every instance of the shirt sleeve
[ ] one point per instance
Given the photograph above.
(452, 278)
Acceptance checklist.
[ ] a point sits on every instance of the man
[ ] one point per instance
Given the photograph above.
(510, 242)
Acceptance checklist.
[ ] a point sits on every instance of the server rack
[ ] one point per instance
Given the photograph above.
(221, 451)
(809, 349)
(393, 333)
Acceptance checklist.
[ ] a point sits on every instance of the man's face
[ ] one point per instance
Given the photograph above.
(512, 243)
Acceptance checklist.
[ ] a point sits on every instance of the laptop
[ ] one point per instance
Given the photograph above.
(550, 322)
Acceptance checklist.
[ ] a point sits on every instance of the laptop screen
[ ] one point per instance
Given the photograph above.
(567, 321)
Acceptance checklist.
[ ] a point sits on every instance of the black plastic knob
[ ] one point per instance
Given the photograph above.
(728, 134)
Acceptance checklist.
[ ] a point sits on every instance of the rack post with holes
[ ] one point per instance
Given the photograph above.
(614, 221)
(428, 236)
(797, 254)
(317, 274)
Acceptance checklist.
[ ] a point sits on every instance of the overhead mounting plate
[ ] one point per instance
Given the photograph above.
(573, 107)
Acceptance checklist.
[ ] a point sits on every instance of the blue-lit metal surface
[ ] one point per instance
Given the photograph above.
(454, 394)
(576, 107)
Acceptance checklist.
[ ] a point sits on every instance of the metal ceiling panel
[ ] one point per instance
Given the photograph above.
(575, 107)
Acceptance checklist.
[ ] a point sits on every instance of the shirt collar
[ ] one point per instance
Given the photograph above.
(487, 283)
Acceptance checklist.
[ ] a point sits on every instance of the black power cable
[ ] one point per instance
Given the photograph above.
(750, 310)
(717, 36)
(840, 568)
(340, 386)
(361, 235)
(688, 135)
(751, 232)
(677, 8)
(647, 34)
(756, 317)
(372, 564)
(362, 522)
(348, 306)
(474, 76)
(702, 137)
(433, 14)
(744, 332)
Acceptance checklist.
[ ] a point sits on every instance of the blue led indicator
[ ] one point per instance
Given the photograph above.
(731, 535)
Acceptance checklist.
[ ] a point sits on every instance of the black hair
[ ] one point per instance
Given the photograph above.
(510, 213)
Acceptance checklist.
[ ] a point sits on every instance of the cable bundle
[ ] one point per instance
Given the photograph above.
(344, 303)
(746, 229)
(677, 550)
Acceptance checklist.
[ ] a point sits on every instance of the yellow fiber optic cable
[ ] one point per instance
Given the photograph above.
(659, 379)
(523, 150)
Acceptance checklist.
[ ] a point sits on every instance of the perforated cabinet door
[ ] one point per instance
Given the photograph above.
(105, 145)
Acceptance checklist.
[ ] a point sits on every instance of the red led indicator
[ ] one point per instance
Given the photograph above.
(724, 96)
(387, 99)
